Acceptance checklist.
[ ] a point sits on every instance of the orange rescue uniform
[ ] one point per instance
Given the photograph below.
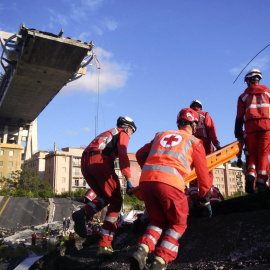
(172, 156)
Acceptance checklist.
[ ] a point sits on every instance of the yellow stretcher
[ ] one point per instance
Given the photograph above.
(213, 160)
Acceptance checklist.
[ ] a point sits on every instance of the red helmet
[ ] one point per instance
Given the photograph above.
(188, 114)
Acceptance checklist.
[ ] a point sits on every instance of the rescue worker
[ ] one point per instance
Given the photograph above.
(172, 156)
(206, 131)
(253, 112)
(97, 165)
(215, 195)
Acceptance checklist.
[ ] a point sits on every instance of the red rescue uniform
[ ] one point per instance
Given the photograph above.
(206, 131)
(97, 165)
(215, 195)
(172, 156)
(253, 112)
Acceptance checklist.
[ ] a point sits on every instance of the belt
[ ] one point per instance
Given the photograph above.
(92, 153)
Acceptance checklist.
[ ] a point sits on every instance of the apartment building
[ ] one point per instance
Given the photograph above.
(37, 163)
(228, 179)
(10, 159)
(63, 170)
(135, 170)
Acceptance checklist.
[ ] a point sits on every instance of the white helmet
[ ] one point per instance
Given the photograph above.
(195, 103)
(253, 73)
(126, 122)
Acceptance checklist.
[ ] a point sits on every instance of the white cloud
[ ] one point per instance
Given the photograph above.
(112, 75)
(72, 133)
(110, 24)
(87, 129)
(57, 18)
(259, 63)
(84, 10)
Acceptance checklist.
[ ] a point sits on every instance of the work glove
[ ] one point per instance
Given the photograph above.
(129, 186)
(217, 145)
(239, 163)
(207, 209)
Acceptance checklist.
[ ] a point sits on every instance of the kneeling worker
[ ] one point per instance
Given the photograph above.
(172, 156)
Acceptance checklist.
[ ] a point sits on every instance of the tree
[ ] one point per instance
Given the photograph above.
(234, 164)
(27, 183)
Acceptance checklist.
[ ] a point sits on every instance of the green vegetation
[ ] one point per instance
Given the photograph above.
(9, 252)
(235, 195)
(134, 202)
(234, 164)
(25, 183)
(78, 193)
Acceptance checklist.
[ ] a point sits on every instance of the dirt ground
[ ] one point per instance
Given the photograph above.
(236, 237)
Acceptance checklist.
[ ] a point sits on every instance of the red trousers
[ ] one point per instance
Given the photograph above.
(100, 176)
(258, 145)
(167, 208)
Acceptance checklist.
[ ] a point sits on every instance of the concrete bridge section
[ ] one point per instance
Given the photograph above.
(36, 65)
(18, 213)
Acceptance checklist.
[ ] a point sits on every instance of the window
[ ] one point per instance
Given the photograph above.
(218, 186)
(9, 175)
(217, 178)
(76, 182)
(1, 163)
(77, 171)
(10, 164)
(1, 152)
(11, 153)
(63, 179)
(0, 175)
(84, 183)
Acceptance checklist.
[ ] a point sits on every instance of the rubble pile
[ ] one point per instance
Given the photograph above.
(236, 237)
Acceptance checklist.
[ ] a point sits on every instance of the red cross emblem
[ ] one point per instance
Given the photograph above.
(170, 140)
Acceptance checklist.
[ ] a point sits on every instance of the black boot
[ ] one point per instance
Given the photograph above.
(249, 188)
(80, 219)
(138, 259)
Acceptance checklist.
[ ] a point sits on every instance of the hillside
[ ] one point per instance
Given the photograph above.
(236, 237)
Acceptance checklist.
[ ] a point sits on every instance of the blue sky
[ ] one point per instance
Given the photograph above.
(156, 56)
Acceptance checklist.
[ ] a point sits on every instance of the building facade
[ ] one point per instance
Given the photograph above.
(10, 159)
(37, 163)
(229, 179)
(63, 170)
(135, 170)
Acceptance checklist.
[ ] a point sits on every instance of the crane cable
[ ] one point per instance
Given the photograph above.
(250, 62)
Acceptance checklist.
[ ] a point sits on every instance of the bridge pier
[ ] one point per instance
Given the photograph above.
(25, 136)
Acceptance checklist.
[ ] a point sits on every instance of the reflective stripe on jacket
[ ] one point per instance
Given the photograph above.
(256, 104)
(106, 141)
(215, 195)
(201, 130)
(113, 143)
(170, 158)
